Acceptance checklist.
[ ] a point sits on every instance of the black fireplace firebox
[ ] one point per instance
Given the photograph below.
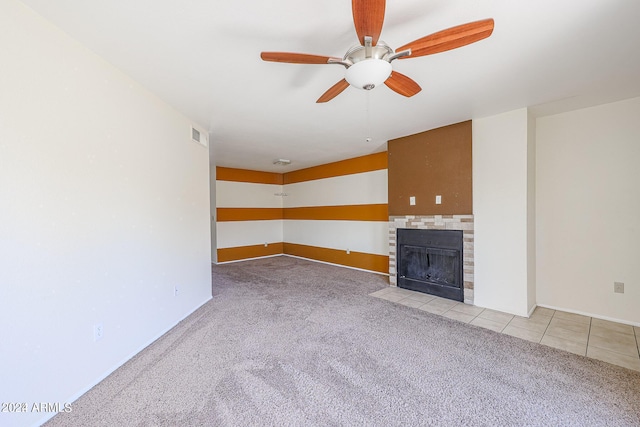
(430, 261)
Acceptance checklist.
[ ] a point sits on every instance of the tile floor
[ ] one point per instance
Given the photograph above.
(611, 342)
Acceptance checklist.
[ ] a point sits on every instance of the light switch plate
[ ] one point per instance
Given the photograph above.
(412, 200)
(438, 200)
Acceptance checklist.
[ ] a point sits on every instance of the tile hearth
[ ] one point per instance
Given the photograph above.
(611, 342)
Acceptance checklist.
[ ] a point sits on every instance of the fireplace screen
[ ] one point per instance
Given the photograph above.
(428, 264)
(430, 261)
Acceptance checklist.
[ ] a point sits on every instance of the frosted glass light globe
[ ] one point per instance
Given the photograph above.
(368, 73)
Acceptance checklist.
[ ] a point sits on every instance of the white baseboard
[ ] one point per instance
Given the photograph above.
(595, 316)
(246, 259)
(337, 265)
(308, 259)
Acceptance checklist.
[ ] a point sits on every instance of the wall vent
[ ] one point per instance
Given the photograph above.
(197, 136)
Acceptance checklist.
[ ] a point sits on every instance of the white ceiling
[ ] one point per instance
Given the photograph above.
(203, 57)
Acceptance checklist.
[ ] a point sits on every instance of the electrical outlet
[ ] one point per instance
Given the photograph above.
(618, 287)
(348, 251)
(98, 332)
(438, 200)
(412, 200)
(176, 291)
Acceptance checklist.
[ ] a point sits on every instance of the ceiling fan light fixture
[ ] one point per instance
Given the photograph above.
(368, 73)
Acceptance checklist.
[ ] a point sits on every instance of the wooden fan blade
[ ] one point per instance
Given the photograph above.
(333, 91)
(448, 39)
(368, 16)
(402, 84)
(294, 58)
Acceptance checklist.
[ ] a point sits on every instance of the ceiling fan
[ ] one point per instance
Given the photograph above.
(369, 64)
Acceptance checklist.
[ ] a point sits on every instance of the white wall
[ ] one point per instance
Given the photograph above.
(233, 234)
(500, 207)
(371, 237)
(231, 194)
(212, 200)
(588, 202)
(531, 213)
(104, 207)
(353, 189)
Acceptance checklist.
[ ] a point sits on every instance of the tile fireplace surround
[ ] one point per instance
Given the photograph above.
(436, 222)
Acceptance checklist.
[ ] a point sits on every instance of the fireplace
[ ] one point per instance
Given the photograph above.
(430, 261)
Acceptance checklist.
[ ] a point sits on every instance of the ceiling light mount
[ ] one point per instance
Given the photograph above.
(282, 162)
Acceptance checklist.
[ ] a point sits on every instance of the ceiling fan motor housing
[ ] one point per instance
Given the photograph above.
(370, 65)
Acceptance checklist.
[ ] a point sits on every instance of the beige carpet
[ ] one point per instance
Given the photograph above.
(288, 342)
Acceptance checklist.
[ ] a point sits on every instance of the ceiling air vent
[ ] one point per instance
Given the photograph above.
(197, 136)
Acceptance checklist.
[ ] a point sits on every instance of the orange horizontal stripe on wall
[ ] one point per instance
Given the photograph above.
(246, 175)
(367, 163)
(246, 252)
(374, 212)
(248, 214)
(365, 261)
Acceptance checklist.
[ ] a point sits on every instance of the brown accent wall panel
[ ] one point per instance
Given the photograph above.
(365, 261)
(436, 162)
(246, 252)
(248, 214)
(246, 175)
(373, 212)
(361, 164)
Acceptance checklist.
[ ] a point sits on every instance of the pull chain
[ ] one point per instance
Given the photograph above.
(367, 130)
